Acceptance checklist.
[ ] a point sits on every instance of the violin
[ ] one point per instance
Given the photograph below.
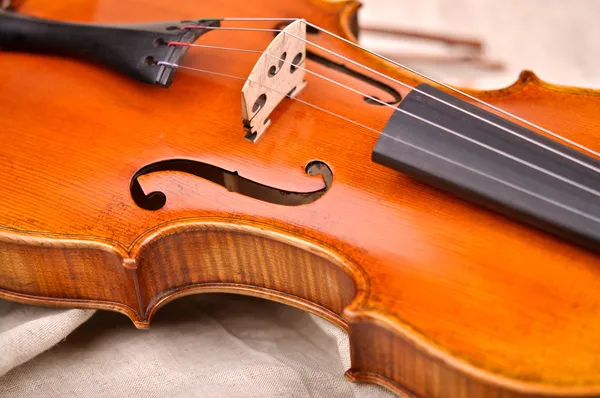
(152, 150)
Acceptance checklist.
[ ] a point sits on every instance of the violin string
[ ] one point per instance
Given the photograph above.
(230, 28)
(450, 131)
(499, 180)
(411, 70)
(512, 132)
(488, 147)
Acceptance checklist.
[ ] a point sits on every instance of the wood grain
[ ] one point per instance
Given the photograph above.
(441, 298)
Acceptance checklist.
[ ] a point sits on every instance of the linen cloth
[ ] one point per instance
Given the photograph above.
(212, 345)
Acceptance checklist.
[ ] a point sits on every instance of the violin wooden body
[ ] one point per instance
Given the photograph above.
(441, 298)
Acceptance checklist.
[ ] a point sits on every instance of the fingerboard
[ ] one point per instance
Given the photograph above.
(494, 163)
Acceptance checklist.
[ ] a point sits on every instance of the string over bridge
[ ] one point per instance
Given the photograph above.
(278, 71)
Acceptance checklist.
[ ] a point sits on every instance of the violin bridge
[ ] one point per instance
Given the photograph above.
(275, 76)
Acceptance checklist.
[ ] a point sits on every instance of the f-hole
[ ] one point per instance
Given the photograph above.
(230, 180)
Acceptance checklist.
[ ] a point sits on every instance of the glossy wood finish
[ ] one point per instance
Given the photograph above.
(441, 298)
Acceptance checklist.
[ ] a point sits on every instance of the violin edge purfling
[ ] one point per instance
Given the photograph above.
(343, 303)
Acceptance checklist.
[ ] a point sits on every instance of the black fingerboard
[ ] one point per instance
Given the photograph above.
(541, 188)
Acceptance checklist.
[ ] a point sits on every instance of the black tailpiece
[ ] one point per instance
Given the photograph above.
(132, 49)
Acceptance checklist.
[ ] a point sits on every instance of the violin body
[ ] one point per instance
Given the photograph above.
(440, 297)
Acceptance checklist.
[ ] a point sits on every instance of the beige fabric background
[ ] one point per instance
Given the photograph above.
(229, 346)
(557, 39)
(205, 346)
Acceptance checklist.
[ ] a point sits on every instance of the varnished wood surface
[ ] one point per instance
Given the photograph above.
(441, 298)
